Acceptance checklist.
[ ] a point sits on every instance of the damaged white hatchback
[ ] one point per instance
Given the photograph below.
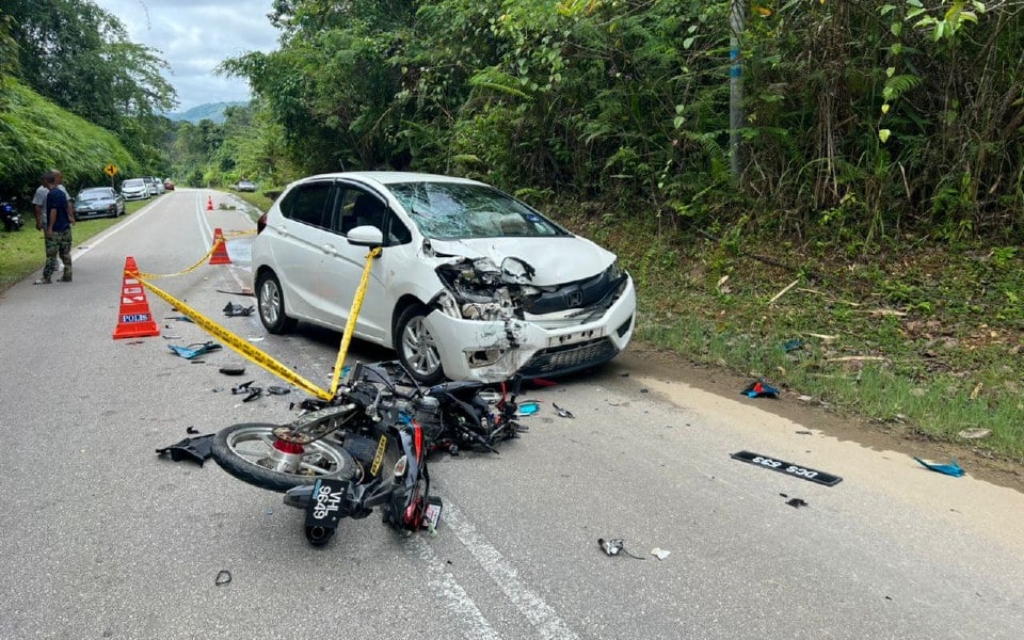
(470, 283)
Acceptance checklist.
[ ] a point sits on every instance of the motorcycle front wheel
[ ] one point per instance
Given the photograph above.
(247, 452)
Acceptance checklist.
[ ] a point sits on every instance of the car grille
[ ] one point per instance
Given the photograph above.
(570, 357)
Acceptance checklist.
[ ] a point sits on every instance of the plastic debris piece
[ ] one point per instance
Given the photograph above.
(194, 449)
(796, 503)
(528, 408)
(232, 370)
(792, 345)
(660, 553)
(179, 318)
(191, 430)
(276, 390)
(241, 388)
(975, 434)
(196, 349)
(805, 433)
(760, 389)
(223, 577)
(615, 547)
(254, 392)
(562, 413)
(233, 309)
(951, 469)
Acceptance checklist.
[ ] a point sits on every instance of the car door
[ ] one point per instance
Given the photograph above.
(301, 238)
(343, 264)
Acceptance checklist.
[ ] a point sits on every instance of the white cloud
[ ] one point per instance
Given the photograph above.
(194, 36)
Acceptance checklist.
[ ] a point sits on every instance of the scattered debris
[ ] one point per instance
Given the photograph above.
(977, 390)
(241, 388)
(194, 449)
(614, 547)
(805, 399)
(805, 433)
(624, 374)
(194, 349)
(645, 390)
(760, 389)
(166, 337)
(223, 577)
(528, 408)
(232, 370)
(975, 434)
(191, 430)
(276, 390)
(783, 292)
(233, 309)
(179, 318)
(792, 345)
(660, 553)
(796, 503)
(804, 473)
(951, 469)
(562, 413)
(246, 291)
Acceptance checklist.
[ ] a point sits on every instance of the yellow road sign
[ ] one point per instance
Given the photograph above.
(111, 170)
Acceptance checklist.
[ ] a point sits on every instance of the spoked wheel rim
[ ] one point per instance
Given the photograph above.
(420, 349)
(270, 301)
(255, 444)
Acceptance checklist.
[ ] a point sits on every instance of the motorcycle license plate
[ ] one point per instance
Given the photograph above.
(795, 470)
(324, 506)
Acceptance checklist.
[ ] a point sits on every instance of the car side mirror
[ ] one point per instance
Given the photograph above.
(366, 236)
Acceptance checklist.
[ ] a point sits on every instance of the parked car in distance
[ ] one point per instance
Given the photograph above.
(99, 202)
(135, 189)
(151, 185)
(246, 185)
(168, 184)
(470, 284)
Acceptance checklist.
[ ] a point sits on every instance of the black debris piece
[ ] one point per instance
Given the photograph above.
(615, 547)
(191, 430)
(223, 577)
(562, 413)
(234, 309)
(232, 370)
(796, 503)
(238, 390)
(805, 433)
(254, 392)
(194, 449)
(276, 390)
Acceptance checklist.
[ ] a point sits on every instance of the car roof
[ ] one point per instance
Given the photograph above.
(107, 189)
(392, 177)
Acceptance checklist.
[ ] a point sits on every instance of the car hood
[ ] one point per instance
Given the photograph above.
(557, 260)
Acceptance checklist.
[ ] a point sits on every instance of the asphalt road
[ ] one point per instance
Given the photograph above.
(101, 538)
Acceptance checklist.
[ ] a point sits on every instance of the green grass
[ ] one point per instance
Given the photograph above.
(22, 252)
(923, 339)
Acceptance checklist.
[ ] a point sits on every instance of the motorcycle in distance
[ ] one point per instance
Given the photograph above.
(9, 215)
(367, 448)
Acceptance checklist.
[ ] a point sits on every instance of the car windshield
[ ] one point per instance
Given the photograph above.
(134, 182)
(453, 211)
(94, 194)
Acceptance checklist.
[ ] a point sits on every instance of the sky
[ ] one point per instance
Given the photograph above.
(194, 36)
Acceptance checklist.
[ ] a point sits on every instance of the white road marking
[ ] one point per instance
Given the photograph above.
(543, 617)
(459, 604)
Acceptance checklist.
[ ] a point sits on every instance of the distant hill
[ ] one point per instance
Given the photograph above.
(211, 111)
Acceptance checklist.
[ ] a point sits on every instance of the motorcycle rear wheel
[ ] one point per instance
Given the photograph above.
(245, 450)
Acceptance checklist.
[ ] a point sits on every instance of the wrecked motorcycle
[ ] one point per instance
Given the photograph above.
(365, 449)
(10, 217)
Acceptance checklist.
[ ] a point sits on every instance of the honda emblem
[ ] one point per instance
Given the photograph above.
(574, 298)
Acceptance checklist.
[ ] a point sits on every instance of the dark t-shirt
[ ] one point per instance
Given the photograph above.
(57, 200)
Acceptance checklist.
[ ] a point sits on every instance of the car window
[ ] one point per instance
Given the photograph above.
(356, 208)
(452, 211)
(134, 182)
(96, 193)
(307, 203)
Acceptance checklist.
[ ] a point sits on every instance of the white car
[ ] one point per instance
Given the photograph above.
(470, 284)
(135, 189)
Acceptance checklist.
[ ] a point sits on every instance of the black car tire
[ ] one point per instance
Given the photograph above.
(270, 304)
(416, 348)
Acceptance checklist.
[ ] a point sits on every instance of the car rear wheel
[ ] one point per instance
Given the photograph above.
(416, 347)
(270, 302)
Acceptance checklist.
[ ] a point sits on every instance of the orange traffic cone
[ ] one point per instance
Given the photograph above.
(135, 319)
(209, 203)
(220, 249)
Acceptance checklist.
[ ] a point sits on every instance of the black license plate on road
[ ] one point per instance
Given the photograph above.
(788, 468)
(324, 508)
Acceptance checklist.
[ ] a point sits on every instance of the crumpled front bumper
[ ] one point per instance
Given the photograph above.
(494, 351)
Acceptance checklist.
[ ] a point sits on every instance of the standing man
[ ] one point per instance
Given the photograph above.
(39, 201)
(60, 217)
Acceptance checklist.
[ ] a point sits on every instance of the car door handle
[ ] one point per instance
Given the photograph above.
(329, 249)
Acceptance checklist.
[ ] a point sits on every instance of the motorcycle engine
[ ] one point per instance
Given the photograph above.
(427, 412)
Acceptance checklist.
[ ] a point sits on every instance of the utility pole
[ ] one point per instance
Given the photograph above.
(736, 19)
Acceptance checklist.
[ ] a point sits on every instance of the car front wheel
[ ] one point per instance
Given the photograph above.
(270, 302)
(416, 347)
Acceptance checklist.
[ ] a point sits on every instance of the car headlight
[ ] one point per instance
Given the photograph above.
(615, 271)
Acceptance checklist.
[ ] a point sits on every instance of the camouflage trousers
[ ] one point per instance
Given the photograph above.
(58, 244)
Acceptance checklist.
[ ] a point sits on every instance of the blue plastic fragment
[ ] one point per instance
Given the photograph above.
(528, 408)
(951, 469)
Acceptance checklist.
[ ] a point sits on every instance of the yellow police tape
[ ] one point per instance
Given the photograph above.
(350, 324)
(259, 357)
(202, 261)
